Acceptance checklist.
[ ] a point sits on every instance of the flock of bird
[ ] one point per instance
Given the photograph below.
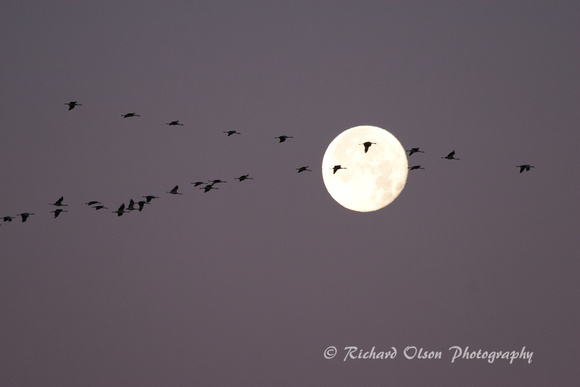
(206, 186)
(450, 156)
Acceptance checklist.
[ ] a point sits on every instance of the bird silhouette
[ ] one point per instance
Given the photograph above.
(302, 169)
(283, 138)
(230, 132)
(196, 183)
(208, 188)
(58, 203)
(450, 156)
(173, 123)
(148, 198)
(92, 202)
(121, 210)
(215, 181)
(367, 145)
(141, 204)
(25, 215)
(100, 207)
(244, 177)
(131, 206)
(414, 150)
(72, 104)
(174, 191)
(415, 167)
(57, 212)
(524, 167)
(336, 168)
(7, 218)
(129, 115)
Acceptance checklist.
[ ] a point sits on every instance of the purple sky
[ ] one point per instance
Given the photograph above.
(249, 284)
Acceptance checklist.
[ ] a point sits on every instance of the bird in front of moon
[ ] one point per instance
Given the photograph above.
(370, 181)
(367, 145)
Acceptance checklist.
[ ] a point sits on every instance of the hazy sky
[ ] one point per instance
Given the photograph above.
(250, 284)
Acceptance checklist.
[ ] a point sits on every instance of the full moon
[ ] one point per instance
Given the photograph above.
(364, 181)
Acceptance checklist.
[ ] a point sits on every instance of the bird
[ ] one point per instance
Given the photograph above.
(196, 183)
(215, 181)
(336, 168)
(121, 210)
(283, 138)
(131, 206)
(208, 188)
(7, 218)
(524, 167)
(174, 191)
(92, 202)
(129, 115)
(450, 156)
(302, 169)
(58, 203)
(173, 123)
(57, 212)
(415, 167)
(414, 150)
(25, 215)
(230, 132)
(367, 145)
(244, 177)
(141, 204)
(148, 198)
(100, 207)
(72, 104)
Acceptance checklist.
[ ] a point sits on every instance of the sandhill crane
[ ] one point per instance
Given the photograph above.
(215, 181)
(367, 145)
(148, 198)
(141, 204)
(173, 123)
(131, 206)
(58, 203)
(415, 167)
(524, 167)
(72, 104)
(336, 168)
(230, 132)
(414, 150)
(129, 115)
(57, 212)
(7, 218)
(174, 191)
(244, 177)
(100, 207)
(302, 169)
(196, 183)
(208, 188)
(25, 215)
(92, 202)
(283, 138)
(121, 210)
(450, 156)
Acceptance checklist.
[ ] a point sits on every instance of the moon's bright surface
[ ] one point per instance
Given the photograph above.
(371, 180)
